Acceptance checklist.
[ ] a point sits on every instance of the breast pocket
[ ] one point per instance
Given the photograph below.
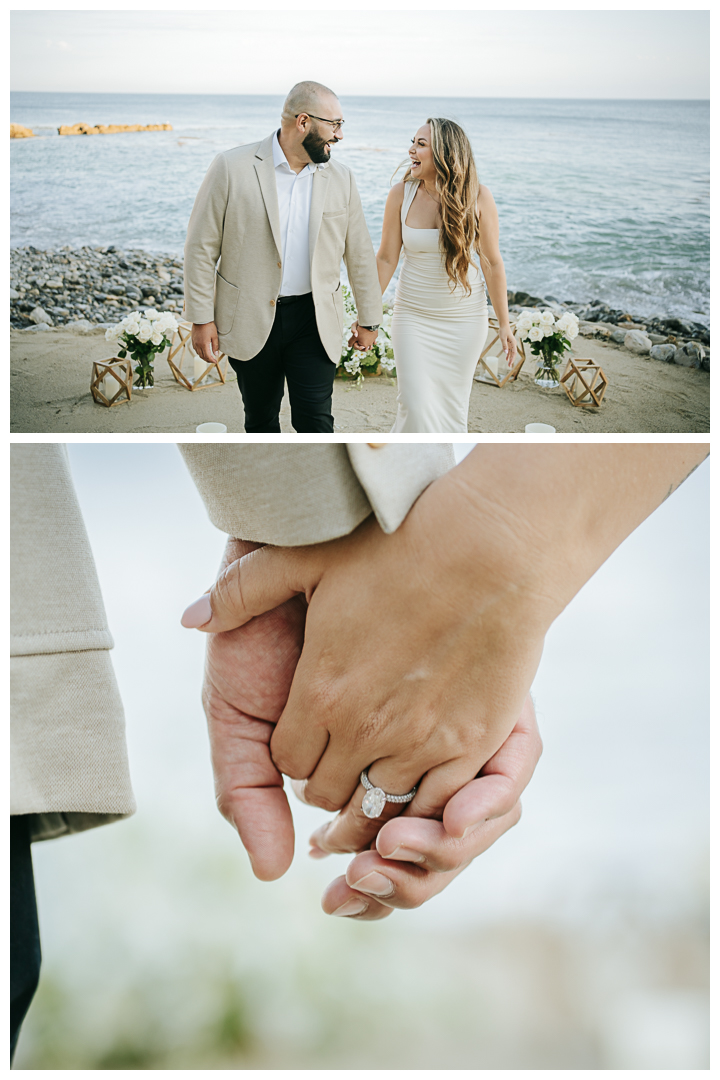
(226, 301)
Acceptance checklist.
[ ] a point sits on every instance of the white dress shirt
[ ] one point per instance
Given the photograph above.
(294, 191)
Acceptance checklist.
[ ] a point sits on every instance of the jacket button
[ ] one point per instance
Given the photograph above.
(376, 445)
(272, 303)
(280, 265)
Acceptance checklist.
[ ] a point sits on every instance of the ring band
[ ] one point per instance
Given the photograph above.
(374, 802)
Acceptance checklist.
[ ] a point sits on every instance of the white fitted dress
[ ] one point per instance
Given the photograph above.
(437, 334)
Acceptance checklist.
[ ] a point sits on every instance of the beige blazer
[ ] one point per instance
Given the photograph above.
(69, 763)
(236, 219)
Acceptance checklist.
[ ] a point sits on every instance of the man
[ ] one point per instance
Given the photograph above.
(280, 216)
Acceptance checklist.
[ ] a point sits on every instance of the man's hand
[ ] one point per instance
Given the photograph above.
(248, 672)
(414, 859)
(362, 339)
(205, 341)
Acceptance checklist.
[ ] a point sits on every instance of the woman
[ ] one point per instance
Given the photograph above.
(443, 218)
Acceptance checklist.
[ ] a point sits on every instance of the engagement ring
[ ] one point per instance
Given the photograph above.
(374, 802)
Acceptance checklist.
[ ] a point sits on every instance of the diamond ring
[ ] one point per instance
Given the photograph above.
(374, 802)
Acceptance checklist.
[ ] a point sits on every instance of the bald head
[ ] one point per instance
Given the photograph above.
(312, 98)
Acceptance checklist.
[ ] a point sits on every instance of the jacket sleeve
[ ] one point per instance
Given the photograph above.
(204, 241)
(307, 493)
(69, 766)
(360, 263)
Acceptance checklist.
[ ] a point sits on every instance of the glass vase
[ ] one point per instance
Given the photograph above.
(546, 372)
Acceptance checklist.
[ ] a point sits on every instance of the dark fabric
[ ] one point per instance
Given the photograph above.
(24, 933)
(293, 352)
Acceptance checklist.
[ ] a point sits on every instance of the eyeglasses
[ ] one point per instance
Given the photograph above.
(334, 124)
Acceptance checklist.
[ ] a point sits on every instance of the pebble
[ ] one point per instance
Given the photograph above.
(97, 285)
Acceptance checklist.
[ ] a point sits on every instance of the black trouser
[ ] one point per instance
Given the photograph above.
(294, 352)
(24, 934)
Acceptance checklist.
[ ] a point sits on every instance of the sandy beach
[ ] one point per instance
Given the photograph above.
(50, 393)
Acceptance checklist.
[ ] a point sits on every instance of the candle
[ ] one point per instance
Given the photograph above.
(199, 366)
(109, 387)
(492, 363)
(539, 429)
(204, 429)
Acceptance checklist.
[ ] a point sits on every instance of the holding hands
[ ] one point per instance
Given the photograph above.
(409, 655)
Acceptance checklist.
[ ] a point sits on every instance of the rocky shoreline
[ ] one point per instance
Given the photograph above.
(96, 286)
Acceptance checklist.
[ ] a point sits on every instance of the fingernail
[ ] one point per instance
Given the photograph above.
(405, 855)
(197, 614)
(351, 907)
(471, 828)
(318, 853)
(375, 884)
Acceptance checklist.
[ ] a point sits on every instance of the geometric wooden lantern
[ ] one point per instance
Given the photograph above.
(584, 383)
(111, 382)
(489, 373)
(189, 369)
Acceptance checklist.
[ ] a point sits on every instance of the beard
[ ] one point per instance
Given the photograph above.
(314, 146)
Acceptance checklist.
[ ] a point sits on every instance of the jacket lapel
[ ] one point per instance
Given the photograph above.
(265, 170)
(317, 203)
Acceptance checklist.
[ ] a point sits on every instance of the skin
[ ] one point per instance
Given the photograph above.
(446, 637)
(248, 674)
(424, 214)
(293, 132)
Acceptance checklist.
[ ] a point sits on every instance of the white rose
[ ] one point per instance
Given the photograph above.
(144, 332)
(524, 321)
(112, 333)
(157, 337)
(547, 318)
(535, 333)
(151, 314)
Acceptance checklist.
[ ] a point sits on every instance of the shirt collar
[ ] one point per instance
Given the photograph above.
(279, 158)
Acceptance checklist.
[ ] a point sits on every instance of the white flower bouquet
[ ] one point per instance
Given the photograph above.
(549, 338)
(142, 334)
(379, 360)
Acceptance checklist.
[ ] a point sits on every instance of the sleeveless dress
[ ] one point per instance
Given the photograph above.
(437, 334)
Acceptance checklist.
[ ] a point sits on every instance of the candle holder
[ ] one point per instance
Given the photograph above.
(585, 383)
(189, 369)
(490, 360)
(111, 382)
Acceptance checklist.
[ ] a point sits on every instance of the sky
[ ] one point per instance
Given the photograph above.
(473, 53)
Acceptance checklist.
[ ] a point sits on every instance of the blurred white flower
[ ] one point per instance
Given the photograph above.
(145, 331)
(157, 337)
(535, 333)
(547, 318)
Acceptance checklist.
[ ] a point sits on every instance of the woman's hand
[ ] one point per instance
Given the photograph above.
(415, 859)
(508, 343)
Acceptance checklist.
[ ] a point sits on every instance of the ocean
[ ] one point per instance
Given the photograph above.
(598, 200)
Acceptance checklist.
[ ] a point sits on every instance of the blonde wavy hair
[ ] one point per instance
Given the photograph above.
(458, 186)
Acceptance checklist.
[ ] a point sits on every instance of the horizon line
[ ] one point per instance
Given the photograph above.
(462, 97)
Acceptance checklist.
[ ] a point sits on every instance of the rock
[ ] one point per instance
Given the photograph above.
(40, 326)
(658, 339)
(17, 131)
(79, 324)
(619, 336)
(54, 283)
(666, 353)
(691, 354)
(37, 315)
(637, 341)
(14, 294)
(109, 129)
(527, 300)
